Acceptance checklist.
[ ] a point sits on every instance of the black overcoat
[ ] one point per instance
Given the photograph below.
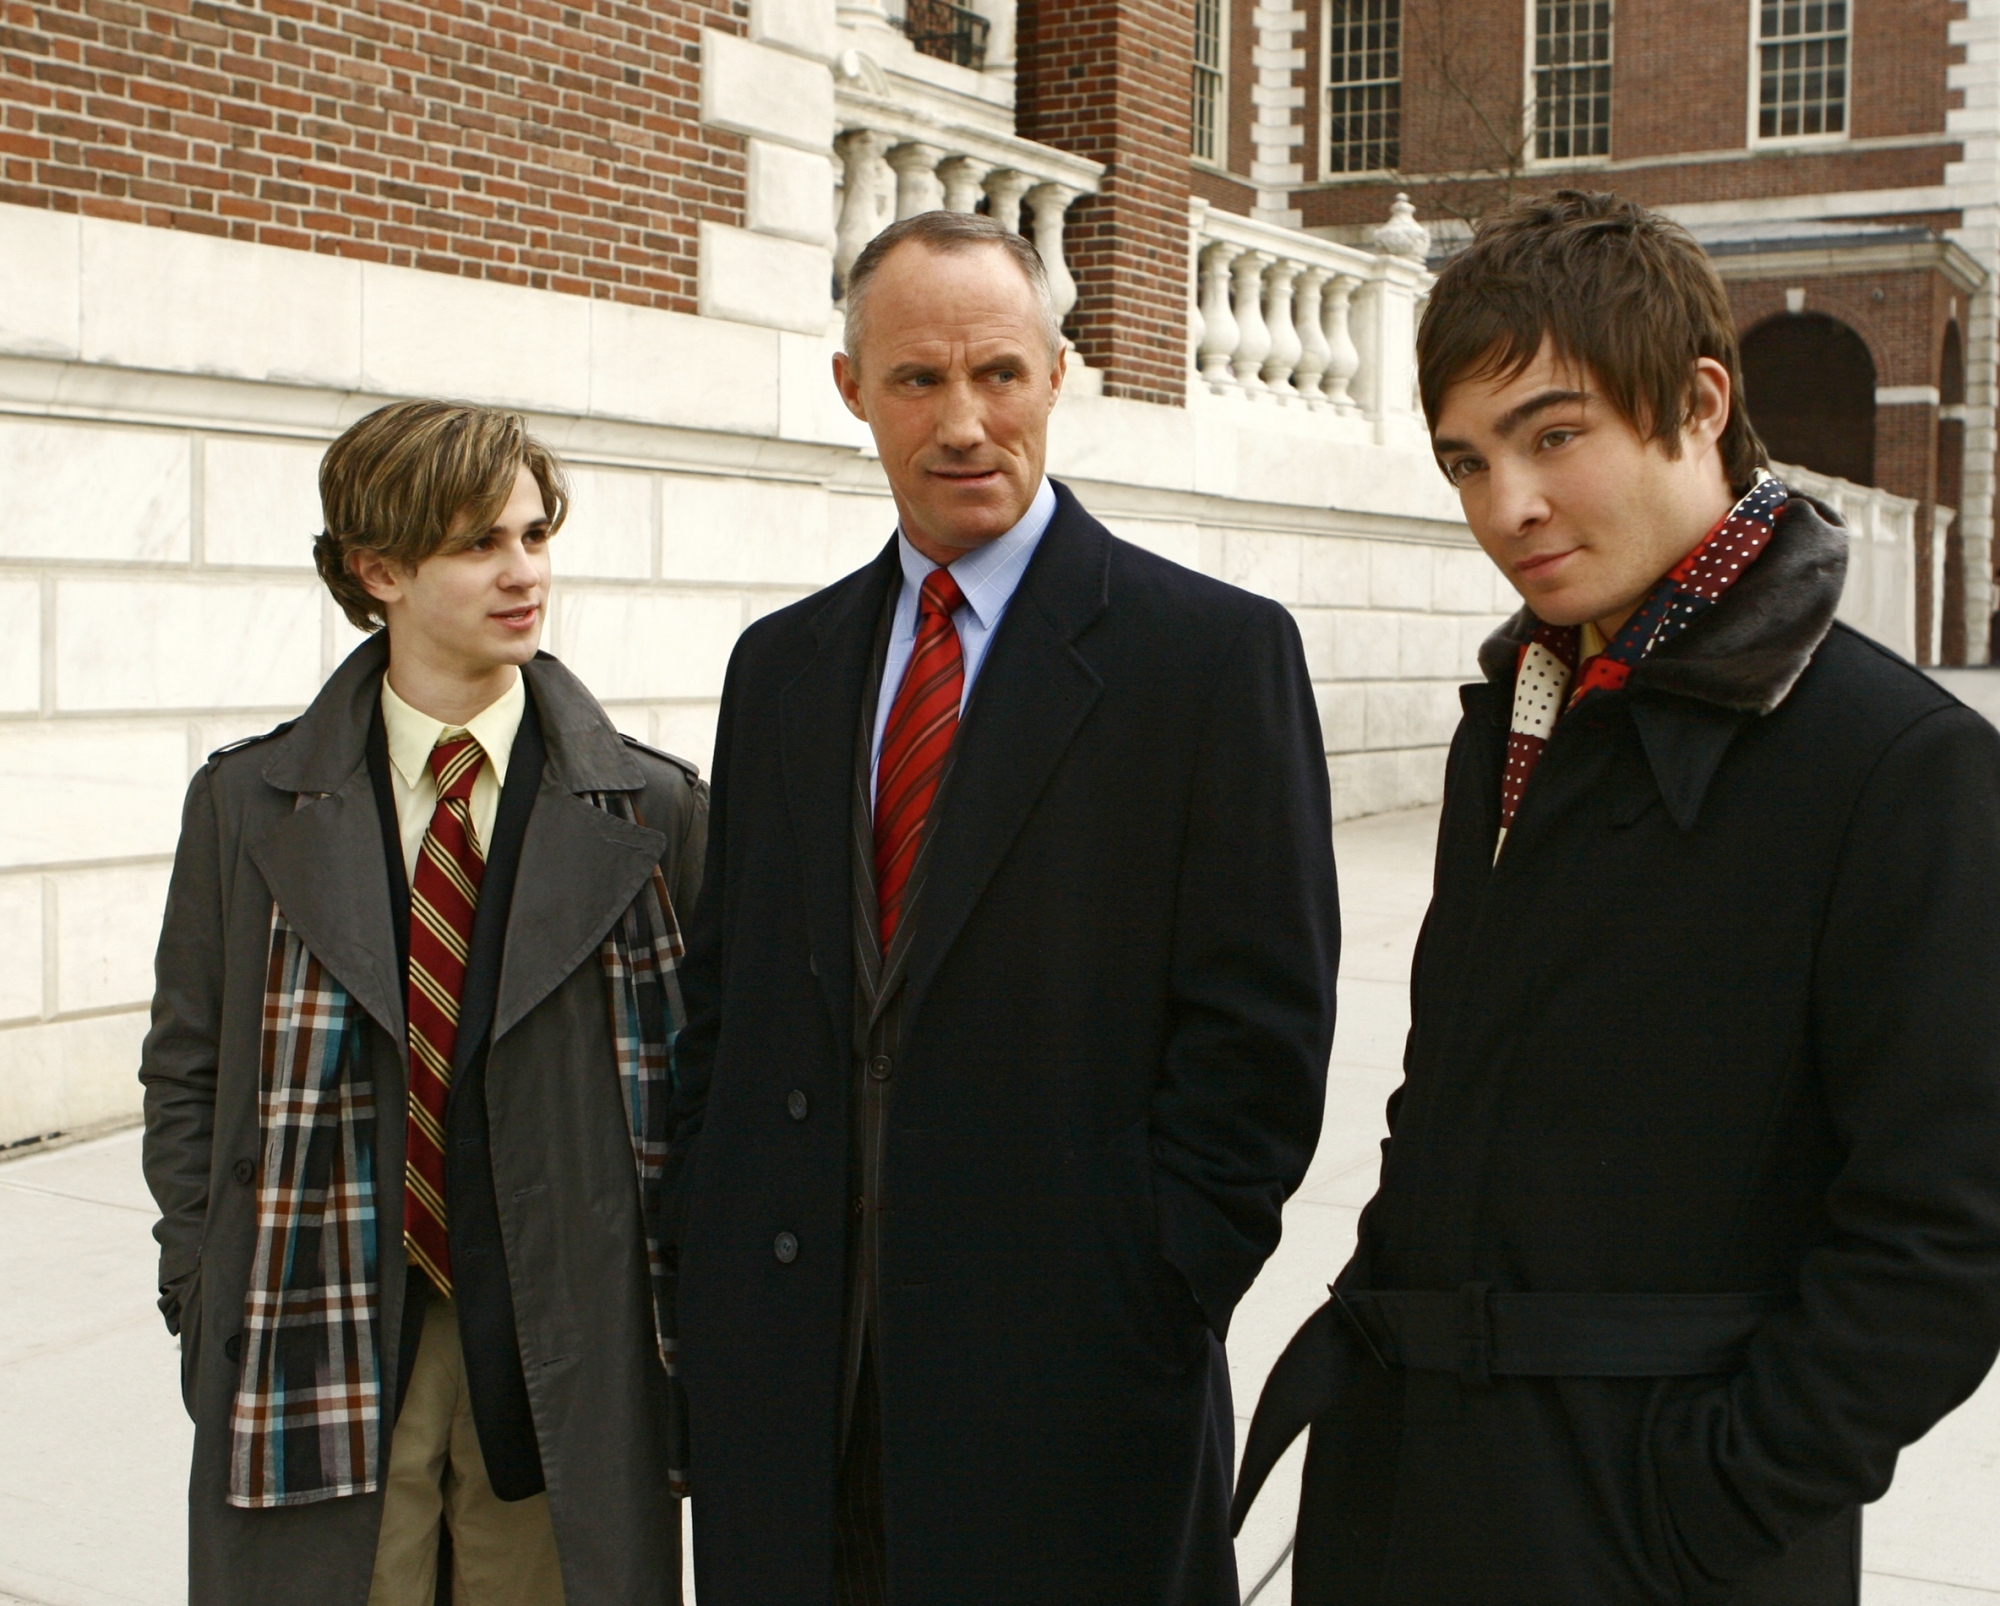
(1723, 1019)
(1120, 1007)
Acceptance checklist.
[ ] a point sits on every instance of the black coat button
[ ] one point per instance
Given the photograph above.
(786, 1248)
(796, 1102)
(880, 1067)
(246, 1173)
(234, 1348)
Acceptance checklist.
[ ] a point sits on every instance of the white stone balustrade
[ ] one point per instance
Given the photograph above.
(1285, 318)
(911, 144)
(1880, 596)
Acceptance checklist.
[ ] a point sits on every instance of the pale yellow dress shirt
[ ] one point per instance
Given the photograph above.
(412, 735)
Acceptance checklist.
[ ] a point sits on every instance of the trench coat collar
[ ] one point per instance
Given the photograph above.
(324, 861)
(1733, 665)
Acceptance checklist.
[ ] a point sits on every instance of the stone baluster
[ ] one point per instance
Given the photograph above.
(860, 152)
(1286, 347)
(1004, 190)
(1219, 332)
(1343, 360)
(1313, 349)
(961, 177)
(1253, 341)
(1046, 205)
(917, 186)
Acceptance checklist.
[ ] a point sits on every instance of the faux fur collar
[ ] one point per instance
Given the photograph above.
(1747, 652)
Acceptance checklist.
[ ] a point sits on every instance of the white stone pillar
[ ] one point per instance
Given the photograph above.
(1343, 361)
(1046, 205)
(1279, 101)
(1219, 333)
(1286, 347)
(1253, 341)
(961, 177)
(1313, 348)
(917, 186)
(860, 152)
(1004, 190)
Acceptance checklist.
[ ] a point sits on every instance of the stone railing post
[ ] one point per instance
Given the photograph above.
(961, 177)
(1004, 190)
(1313, 349)
(1286, 346)
(1343, 361)
(1219, 333)
(860, 152)
(917, 186)
(1253, 340)
(1047, 203)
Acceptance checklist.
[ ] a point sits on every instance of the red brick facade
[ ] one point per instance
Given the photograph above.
(1108, 79)
(553, 145)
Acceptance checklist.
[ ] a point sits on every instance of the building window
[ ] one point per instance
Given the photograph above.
(1364, 85)
(1211, 103)
(1801, 68)
(1572, 79)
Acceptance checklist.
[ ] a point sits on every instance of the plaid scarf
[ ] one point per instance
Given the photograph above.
(306, 1424)
(1548, 661)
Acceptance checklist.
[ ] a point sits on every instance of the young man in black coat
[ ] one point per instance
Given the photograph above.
(1009, 1002)
(1689, 1217)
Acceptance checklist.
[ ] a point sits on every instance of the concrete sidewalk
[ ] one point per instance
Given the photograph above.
(93, 1481)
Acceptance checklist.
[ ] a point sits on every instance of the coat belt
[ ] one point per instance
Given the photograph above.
(1481, 1333)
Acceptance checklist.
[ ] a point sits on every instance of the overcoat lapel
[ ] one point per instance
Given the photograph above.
(818, 715)
(581, 867)
(1032, 696)
(323, 862)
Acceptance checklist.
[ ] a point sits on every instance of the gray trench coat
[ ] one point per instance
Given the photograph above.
(562, 1161)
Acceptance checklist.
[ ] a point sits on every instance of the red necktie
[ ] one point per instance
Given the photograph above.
(922, 722)
(444, 893)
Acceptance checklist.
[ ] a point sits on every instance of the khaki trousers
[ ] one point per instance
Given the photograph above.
(503, 1552)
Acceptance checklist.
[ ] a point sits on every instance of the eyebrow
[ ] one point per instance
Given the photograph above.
(1013, 359)
(1512, 420)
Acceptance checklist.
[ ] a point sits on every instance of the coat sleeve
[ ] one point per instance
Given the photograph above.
(1256, 945)
(178, 1062)
(1899, 1312)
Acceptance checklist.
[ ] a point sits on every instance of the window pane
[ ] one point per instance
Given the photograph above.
(1802, 68)
(1208, 81)
(1572, 78)
(1364, 90)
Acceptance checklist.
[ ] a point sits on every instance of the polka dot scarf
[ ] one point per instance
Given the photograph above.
(1549, 662)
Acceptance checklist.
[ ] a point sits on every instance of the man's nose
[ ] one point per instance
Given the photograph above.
(1516, 503)
(961, 421)
(520, 573)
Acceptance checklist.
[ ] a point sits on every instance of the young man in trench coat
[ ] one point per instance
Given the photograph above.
(1009, 1002)
(1689, 1216)
(405, 1081)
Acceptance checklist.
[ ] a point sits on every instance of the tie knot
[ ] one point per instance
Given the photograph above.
(940, 594)
(455, 764)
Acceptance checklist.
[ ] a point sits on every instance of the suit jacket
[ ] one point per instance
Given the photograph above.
(566, 1205)
(1117, 1003)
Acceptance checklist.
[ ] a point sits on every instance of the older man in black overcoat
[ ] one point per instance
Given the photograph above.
(1689, 1218)
(992, 1092)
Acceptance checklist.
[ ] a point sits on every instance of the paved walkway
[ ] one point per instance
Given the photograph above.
(93, 1479)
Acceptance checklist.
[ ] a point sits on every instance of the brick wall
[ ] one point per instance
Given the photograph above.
(556, 146)
(1109, 79)
(1680, 77)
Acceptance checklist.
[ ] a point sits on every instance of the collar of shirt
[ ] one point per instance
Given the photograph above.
(988, 574)
(412, 733)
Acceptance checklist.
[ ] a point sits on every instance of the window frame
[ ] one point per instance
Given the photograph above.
(1219, 162)
(1530, 99)
(1753, 138)
(1327, 171)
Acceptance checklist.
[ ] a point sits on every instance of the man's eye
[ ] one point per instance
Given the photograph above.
(1461, 469)
(1557, 437)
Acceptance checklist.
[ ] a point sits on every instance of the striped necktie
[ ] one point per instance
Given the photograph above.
(444, 893)
(922, 722)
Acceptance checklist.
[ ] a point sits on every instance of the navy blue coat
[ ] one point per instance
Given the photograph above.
(1120, 1007)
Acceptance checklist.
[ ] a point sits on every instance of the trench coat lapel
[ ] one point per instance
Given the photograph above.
(323, 862)
(818, 714)
(1033, 693)
(580, 867)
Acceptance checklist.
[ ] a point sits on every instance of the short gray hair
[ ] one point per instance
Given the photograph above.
(949, 232)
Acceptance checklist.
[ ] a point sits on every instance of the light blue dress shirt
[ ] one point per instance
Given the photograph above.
(988, 576)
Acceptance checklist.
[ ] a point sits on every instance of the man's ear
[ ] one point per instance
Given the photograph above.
(1708, 414)
(381, 577)
(1057, 373)
(847, 380)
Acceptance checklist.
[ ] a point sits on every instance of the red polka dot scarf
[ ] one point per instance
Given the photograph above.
(1543, 689)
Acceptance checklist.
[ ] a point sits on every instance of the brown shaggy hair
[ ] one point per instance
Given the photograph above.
(418, 478)
(1619, 291)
